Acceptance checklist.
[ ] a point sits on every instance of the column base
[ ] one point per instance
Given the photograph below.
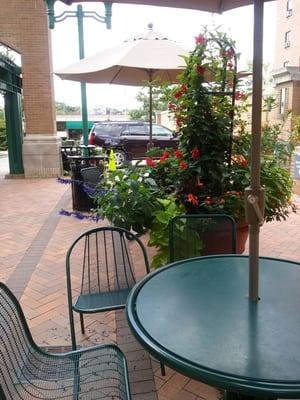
(41, 156)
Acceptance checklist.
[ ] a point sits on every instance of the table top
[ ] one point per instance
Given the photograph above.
(195, 316)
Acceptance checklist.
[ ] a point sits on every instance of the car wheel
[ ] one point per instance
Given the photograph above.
(120, 158)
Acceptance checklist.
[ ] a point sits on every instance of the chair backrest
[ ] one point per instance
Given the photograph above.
(15, 343)
(92, 175)
(201, 235)
(105, 259)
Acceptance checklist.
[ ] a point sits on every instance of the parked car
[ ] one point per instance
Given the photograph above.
(129, 139)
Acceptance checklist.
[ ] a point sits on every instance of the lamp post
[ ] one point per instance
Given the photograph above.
(80, 14)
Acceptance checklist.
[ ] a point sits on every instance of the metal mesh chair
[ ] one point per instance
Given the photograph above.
(200, 235)
(100, 271)
(27, 372)
(92, 175)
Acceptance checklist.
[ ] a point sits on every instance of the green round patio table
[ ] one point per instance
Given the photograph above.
(196, 317)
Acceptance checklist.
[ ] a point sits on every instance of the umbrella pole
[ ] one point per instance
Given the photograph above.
(150, 144)
(150, 116)
(254, 195)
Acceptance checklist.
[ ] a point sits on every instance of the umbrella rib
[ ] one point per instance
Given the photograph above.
(116, 75)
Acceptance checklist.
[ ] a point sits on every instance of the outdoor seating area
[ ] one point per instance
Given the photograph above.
(143, 261)
(33, 267)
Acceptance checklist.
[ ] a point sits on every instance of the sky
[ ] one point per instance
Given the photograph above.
(128, 20)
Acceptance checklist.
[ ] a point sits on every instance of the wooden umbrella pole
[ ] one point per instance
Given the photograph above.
(150, 116)
(150, 144)
(255, 194)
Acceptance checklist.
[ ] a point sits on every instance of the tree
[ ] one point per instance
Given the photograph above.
(159, 103)
(65, 109)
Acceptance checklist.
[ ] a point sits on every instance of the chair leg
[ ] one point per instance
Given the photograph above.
(162, 369)
(72, 329)
(82, 324)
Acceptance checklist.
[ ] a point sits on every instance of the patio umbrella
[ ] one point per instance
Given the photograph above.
(255, 192)
(149, 57)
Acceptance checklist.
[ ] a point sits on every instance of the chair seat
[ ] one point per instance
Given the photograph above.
(27, 372)
(101, 301)
(95, 373)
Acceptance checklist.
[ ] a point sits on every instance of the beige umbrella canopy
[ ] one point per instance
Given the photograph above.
(216, 6)
(255, 194)
(147, 57)
(131, 62)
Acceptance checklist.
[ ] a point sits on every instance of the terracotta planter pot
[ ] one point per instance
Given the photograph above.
(242, 233)
(219, 241)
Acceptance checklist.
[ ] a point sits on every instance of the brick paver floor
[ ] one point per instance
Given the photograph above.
(34, 239)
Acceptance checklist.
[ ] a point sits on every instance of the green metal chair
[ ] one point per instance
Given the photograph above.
(28, 372)
(201, 235)
(100, 271)
(92, 176)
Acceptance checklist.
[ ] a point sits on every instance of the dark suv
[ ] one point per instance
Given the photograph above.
(129, 139)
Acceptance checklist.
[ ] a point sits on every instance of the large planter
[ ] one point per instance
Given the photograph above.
(219, 241)
(242, 233)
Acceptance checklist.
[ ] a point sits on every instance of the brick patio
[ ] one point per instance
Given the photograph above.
(34, 240)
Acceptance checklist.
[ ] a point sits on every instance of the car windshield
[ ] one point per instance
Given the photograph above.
(109, 129)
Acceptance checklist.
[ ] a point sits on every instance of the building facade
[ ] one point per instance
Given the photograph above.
(24, 28)
(286, 74)
(286, 71)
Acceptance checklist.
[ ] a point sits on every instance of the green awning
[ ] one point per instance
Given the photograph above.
(77, 124)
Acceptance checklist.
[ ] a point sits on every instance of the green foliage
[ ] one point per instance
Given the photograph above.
(159, 234)
(209, 172)
(204, 114)
(278, 190)
(159, 102)
(65, 109)
(3, 141)
(295, 135)
(129, 201)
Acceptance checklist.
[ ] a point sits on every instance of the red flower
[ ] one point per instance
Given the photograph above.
(222, 201)
(240, 160)
(165, 156)
(178, 94)
(195, 153)
(230, 65)
(171, 106)
(183, 165)
(150, 162)
(178, 154)
(229, 53)
(200, 39)
(181, 91)
(200, 70)
(192, 199)
(183, 88)
(240, 95)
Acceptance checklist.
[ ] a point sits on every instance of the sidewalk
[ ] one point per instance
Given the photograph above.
(34, 239)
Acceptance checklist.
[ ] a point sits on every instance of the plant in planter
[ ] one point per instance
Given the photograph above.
(210, 169)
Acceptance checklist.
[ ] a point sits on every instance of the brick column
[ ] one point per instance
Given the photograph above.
(24, 27)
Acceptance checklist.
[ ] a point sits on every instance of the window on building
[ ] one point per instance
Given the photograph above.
(283, 100)
(286, 64)
(287, 39)
(289, 8)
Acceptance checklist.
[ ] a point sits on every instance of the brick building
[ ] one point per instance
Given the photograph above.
(24, 28)
(286, 72)
(287, 59)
